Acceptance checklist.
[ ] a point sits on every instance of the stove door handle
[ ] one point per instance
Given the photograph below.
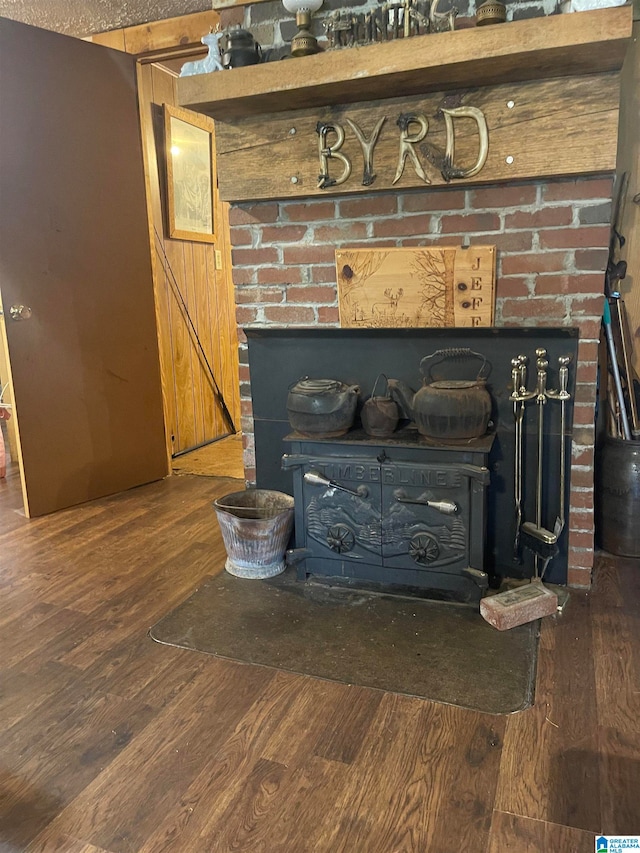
(445, 507)
(318, 479)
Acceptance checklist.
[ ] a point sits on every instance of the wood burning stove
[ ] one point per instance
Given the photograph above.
(403, 512)
(277, 358)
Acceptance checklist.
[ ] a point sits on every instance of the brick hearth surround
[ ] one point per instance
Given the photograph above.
(552, 243)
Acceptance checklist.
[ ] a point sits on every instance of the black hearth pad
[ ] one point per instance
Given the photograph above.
(438, 651)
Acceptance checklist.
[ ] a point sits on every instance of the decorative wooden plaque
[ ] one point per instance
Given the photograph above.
(416, 287)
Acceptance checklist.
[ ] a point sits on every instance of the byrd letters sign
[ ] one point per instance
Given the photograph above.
(485, 135)
(413, 128)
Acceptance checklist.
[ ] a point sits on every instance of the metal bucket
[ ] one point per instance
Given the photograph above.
(256, 525)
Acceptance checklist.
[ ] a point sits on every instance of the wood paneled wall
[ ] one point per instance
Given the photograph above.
(194, 415)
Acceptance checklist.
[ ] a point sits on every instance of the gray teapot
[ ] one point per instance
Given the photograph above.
(447, 409)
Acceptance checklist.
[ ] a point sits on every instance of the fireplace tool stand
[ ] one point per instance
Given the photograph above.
(533, 600)
(541, 541)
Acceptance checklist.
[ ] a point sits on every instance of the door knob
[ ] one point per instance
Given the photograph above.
(20, 312)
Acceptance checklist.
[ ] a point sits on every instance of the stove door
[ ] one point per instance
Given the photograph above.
(342, 520)
(426, 517)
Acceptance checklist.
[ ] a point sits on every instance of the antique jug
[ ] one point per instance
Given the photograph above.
(240, 48)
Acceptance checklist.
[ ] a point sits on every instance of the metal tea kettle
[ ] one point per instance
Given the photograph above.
(321, 407)
(447, 409)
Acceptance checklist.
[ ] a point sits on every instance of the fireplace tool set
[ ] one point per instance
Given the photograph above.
(533, 600)
(533, 535)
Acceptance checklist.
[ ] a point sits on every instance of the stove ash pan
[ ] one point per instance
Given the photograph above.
(390, 522)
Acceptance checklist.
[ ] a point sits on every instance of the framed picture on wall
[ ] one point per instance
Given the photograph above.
(190, 161)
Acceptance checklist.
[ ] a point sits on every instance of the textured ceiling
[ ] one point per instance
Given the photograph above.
(84, 17)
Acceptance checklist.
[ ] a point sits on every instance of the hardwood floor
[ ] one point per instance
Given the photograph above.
(221, 458)
(114, 743)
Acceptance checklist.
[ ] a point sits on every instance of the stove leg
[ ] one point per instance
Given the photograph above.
(296, 557)
(477, 576)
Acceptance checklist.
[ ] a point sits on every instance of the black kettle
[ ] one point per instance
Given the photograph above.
(240, 48)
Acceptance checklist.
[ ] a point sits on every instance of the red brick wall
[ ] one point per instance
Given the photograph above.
(552, 243)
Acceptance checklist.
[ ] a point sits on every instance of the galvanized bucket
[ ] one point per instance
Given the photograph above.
(256, 525)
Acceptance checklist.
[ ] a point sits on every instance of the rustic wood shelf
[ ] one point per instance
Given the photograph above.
(537, 48)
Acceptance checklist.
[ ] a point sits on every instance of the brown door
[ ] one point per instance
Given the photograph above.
(74, 251)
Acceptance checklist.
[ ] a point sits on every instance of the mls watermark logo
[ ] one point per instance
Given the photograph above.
(617, 843)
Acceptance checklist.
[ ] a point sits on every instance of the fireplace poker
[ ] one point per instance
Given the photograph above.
(542, 542)
(517, 450)
(519, 397)
(562, 395)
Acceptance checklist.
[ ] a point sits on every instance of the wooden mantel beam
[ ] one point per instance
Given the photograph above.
(537, 129)
(533, 49)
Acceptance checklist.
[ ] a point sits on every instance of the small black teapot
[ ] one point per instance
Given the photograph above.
(240, 48)
(380, 414)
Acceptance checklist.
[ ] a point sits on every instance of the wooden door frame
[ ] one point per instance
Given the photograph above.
(13, 438)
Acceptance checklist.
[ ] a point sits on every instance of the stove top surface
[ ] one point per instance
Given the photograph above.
(406, 437)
